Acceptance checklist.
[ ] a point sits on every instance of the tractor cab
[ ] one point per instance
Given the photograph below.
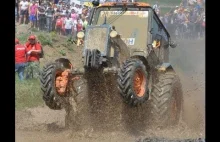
(136, 23)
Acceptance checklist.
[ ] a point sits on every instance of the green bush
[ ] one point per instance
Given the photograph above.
(45, 39)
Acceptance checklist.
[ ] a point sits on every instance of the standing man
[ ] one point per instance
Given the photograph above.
(41, 17)
(20, 59)
(50, 17)
(23, 7)
(68, 24)
(33, 57)
(17, 10)
(33, 14)
(156, 5)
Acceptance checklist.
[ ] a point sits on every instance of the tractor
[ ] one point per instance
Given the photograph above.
(128, 41)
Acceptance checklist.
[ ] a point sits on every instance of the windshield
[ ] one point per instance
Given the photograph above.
(130, 23)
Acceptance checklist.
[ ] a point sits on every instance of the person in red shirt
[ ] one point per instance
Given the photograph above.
(59, 24)
(33, 57)
(20, 59)
(79, 26)
(63, 25)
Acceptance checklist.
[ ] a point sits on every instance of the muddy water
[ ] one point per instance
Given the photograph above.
(43, 124)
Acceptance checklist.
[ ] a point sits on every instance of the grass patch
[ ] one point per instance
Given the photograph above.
(62, 52)
(45, 39)
(27, 94)
(23, 37)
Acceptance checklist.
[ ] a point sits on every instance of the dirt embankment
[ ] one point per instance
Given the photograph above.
(43, 124)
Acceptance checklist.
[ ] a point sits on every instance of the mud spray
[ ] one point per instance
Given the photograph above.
(105, 118)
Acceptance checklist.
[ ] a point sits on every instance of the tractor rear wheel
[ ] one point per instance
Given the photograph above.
(48, 85)
(133, 82)
(166, 100)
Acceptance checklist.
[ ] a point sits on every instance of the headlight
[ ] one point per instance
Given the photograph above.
(80, 34)
(113, 34)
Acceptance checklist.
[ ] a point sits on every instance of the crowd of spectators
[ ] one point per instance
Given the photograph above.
(186, 21)
(62, 17)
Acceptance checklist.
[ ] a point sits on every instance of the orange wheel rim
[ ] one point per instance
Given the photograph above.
(139, 83)
(61, 81)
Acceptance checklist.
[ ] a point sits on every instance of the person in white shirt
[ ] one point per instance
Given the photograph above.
(80, 10)
(68, 24)
(23, 6)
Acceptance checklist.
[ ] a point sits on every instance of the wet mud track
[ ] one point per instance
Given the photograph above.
(43, 124)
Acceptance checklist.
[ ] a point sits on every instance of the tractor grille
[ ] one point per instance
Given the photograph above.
(96, 38)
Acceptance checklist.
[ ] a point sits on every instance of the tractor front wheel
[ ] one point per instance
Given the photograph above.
(133, 82)
(54, 81)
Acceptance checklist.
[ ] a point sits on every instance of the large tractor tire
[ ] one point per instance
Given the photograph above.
(133, 82)
(47, 79)
(166, 100)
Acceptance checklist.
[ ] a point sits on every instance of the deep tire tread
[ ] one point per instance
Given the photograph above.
(46, 86)
(125, 83)
(160, 99)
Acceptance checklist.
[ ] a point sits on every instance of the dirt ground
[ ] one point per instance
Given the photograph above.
(45, 125)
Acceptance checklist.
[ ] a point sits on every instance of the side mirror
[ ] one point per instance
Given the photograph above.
(173, 44)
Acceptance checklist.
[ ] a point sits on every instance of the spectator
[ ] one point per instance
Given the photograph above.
(79, 10)
(200, 3)
(63, 32)
(191, 2)
(33, 57)
(41, 17)
(49, 17)
(155, 6)
(166, 20)
(185, 3)
(74, 15)
(59, 24)
(68, 22)
(16, 11)
(20, 59)
(33, 14)
(59, 5)
(198, 22)
(24, 6)
(157, 12)
(85, 21)
(85, 11)
(79, 25)
(56, 1)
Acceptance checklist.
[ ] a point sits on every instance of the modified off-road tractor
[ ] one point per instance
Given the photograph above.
(128, 41)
